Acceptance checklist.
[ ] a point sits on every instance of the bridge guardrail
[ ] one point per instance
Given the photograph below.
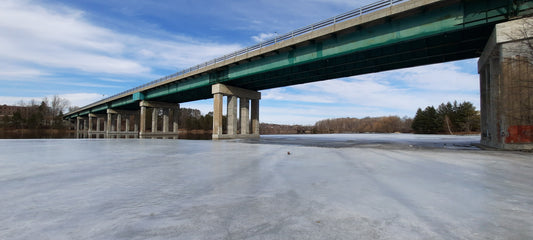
(307, 29)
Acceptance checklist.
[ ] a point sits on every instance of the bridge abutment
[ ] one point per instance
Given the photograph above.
(244, 96)
(506, 84)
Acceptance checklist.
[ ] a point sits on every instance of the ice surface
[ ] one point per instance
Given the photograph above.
(387, 187)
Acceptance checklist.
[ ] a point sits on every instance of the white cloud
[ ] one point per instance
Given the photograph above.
(347, 3)
(75, 99)
(82, 99)
(60, 37)
(10, 72)
(282, 94)
(439, 77)
(263, 37)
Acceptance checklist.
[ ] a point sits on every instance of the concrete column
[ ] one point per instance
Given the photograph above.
(136, 124)
(232, 115)
(142, 120)
(255, 116)
(78, 124)
(155, 112)
(98, 129)
(127, 123)
(85, 124)
(119, 122)
(90, 129)
(175, 119)
(245, 115)
(105, 125)
(506, 85)
(217, 114)
(109, 122)
(220, 90)
(166, 112)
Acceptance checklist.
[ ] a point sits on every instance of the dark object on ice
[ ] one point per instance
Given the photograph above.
(288, 153)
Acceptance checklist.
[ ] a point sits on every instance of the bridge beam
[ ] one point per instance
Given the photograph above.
(506, 83)
(234, 93)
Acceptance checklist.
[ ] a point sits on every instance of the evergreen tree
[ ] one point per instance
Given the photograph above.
(467, 119)
(426, 121)
(447, 118)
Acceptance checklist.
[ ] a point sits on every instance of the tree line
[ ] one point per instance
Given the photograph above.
(388, 124)
(192, 119)
(447, 118)
(47, 114)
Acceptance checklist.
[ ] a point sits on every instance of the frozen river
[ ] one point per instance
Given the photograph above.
(387, 186)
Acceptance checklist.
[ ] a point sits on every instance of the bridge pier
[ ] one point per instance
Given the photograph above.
(169, 112)
(234, 93)
(114, 128)
(506, 84)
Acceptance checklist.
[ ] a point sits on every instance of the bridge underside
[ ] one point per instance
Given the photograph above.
(439, 48)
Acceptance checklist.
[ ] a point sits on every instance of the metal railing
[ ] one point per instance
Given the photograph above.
(310, 28)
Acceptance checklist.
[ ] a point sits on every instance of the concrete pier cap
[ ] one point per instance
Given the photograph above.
(249, 127)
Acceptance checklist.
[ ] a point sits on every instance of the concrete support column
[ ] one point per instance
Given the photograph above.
(142, 119)
(217, 114)
(78, 122)
(127, 123)
(109, 122)
(90, 129)
(85, 124)
(234, 93)
(119, 122)
(245, 115)
(232, 115)
(98, 129)
(166, 119)
(506, 84)
(255, 116)
(135, 123)
(175, 119)
(155, 112)
(168, 114)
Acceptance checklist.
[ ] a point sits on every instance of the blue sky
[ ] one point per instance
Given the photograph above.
(87, 50)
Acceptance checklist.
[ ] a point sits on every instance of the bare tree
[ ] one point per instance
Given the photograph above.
(59, 105)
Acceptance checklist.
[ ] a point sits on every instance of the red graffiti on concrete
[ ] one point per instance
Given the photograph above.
(520, 134)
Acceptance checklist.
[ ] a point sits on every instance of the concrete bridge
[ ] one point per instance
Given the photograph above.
(386, 35)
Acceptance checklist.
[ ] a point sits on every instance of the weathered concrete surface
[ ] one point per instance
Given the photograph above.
(506, 84)
(174, 189)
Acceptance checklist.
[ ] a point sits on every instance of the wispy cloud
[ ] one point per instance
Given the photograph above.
(263, 37)
(48, 43)
(75, 99)
(59, 38)
(82, 99)
(398, 92)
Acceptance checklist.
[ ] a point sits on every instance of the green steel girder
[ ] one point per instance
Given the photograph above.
(446, 31)
(444, 21)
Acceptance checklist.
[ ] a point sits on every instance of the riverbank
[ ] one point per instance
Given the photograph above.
(36, 133)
